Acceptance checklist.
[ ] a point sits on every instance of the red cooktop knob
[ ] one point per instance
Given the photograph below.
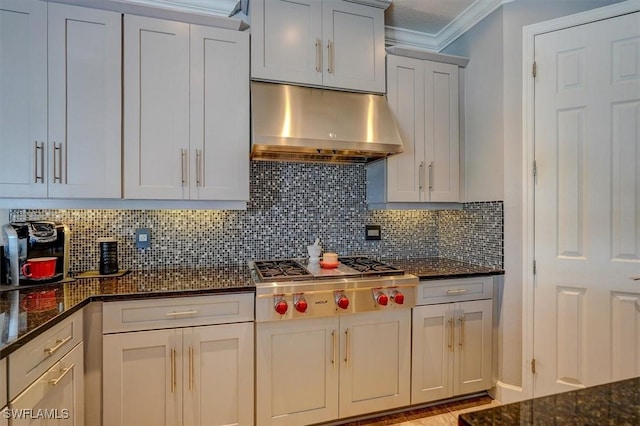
(382, 299)
(301, 306)
(398, 298)
(281, 307)
(342, 302)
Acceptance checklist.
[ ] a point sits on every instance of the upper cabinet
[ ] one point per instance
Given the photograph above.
(330, 43)
(186, 111)
(60, 103)
(423, 96)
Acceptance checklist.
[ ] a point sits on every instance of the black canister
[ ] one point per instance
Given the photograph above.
(108, 256)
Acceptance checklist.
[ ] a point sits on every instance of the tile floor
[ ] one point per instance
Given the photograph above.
(438, 415)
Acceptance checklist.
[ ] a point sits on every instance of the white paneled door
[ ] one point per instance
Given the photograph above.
(587, 205)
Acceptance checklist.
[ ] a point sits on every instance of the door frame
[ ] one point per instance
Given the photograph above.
(528, 154)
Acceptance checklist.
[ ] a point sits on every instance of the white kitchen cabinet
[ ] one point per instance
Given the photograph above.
(423, 96)
(192, 375)
(320, 369)
(186, 111)
(56, 397)
(297, 369)
(452, 350)
(3, 379)
(156, 108)
(219, 137)
(140, 374)
(23, 98)
(376, 371)
(328, 43)
(60, 130)
(37, 356)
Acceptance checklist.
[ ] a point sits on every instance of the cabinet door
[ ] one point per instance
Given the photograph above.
(353, 48)
(156, 109)
(297, 372)
(375, 362)
(473, 346)
(219, 114)
(23, 98)
(84, 102)
(432, 353)
(218, 372)
(286, 41)
(142, 378)
(442, 131)
(406, 171)
(58, 394)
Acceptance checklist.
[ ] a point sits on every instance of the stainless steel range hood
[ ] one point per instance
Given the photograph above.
(291, 123)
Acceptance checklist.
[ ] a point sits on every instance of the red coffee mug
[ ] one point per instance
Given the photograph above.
(40, 267)
(40, 301)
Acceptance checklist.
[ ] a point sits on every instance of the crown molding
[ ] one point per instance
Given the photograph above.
(380, 4)
(213, 13)
(215, 7)
(475, 13)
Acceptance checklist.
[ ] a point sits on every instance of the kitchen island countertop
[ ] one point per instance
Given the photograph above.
(26, 311)
(615, 403)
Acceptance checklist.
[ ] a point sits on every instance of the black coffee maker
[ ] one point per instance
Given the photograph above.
(23, 241)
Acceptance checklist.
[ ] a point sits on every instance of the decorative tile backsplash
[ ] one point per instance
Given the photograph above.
(290, 205)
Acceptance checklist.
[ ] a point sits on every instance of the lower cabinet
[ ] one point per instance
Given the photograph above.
(320, 369)
(56, 397)
(452, 349)
(185, 376)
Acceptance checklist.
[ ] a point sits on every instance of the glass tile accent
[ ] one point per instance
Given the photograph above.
(290, 205)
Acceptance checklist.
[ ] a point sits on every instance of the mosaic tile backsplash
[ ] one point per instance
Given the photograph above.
(290, 205)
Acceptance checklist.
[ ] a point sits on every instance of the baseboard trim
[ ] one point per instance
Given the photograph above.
(506, 393)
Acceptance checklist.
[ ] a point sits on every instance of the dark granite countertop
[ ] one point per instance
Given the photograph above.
(26, 311)
(432, 268)
(615, 403)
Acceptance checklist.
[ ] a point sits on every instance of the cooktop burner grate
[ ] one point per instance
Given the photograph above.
(281, 269)
(299, 270)
(368, 266)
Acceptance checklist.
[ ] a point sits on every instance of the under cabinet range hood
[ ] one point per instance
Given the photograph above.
(292, 123)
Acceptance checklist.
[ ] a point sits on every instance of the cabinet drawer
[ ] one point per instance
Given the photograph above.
(455, 290)
(60, 390)
(3, 382)
(153, 314)
(37, 356)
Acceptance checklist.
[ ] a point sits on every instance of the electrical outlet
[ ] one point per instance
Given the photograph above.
(143, 238)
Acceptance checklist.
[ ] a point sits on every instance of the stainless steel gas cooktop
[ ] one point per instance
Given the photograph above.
(296, 288)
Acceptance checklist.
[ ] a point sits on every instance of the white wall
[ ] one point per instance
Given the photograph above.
(483, 139)
(4, 216)
(494, 141)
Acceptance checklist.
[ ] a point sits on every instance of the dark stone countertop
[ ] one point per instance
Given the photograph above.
(433, 268)
(615, 403)
(26, 311)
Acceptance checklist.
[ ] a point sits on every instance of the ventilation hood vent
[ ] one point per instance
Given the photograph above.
(292, 123)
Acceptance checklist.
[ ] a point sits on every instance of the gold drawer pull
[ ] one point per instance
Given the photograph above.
(173, 370)
(457, 291)
(175, 314)
(59, 343)
(63, 372)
